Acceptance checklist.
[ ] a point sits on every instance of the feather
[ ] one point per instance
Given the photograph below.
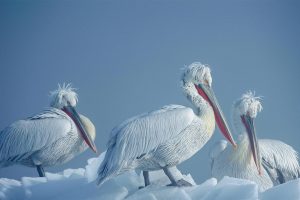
(280, 157)
(142, 134)
(279, 160)
(63, 96)
(25, 137)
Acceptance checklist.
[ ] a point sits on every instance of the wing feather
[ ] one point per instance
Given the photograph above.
(216, 151)
(145, 133)
(24, 137)
(142, 134)
(279, 159)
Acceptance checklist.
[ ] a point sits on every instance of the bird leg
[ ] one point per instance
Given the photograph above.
(146, 179)
(40, 170)
(179, 183)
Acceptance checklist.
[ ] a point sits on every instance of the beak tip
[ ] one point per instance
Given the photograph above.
(95, 150)
(234, 145)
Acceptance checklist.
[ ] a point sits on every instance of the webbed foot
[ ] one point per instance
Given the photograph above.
(181, 183)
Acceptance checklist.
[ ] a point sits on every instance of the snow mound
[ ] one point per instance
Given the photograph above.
(80, 184)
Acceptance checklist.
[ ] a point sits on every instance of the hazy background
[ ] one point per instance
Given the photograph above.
(126, 59)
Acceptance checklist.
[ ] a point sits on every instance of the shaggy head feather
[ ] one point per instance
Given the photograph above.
(248, 104)
(197, 73)
(65, 95)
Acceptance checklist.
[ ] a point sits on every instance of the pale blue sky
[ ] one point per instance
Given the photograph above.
(125, 58)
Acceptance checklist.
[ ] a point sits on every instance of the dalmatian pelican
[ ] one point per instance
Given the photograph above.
(166, 137)
(49, 138)
(264, 161)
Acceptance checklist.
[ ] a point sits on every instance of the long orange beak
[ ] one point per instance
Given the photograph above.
(70, 110)
(207, 93)
(250, 129)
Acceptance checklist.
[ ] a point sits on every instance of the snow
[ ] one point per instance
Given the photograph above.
(80, 184)
(289, 190)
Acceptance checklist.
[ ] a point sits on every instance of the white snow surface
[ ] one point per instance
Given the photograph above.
(80, 184)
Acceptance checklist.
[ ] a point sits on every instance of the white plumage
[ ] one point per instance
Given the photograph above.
(49, 138)
(164, 138)
(279, 161)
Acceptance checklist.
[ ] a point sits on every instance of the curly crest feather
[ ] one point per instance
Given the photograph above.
(249, 104)
(197, 73)
(65, 95)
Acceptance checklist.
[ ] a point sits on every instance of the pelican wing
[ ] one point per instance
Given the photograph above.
(24, 137)
(216, 151)
(279, 160)
(142, 134)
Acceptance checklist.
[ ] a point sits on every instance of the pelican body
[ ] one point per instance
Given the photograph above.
(266, 162)
(166, 137)
(49, 138)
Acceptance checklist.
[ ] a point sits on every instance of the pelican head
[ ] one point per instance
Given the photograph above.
(197, 82)
(65, 98)
(246, 108)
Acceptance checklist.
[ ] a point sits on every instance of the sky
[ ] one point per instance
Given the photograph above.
(126, 58)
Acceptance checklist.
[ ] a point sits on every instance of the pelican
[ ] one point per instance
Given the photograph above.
(166, 137)
(49, 138)
(266, 162)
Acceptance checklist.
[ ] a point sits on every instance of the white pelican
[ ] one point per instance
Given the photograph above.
(164, 138)
(51, 137)
(279, 161)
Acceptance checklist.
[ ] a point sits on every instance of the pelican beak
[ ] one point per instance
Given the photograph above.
(250, 128)
(207, 93)
(70, 110)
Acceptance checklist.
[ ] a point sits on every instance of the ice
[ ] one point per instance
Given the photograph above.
(10, 189)
(74, 173)
(143, 195)
(289, 190)
(92, 168)
(80, 184)
(233, 188)
(161, 192)
(201, 190)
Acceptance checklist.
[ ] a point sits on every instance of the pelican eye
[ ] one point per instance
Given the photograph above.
(206, 82)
